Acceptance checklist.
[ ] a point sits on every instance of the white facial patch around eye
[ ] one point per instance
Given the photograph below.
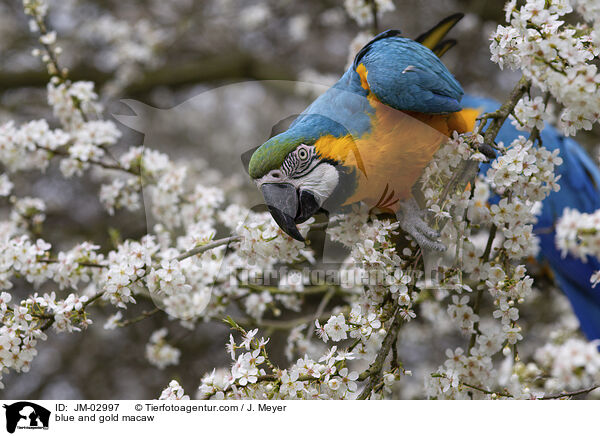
(321, 181)
(301, 170)
(299, 160)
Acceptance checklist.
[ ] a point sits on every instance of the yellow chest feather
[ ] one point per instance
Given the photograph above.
(389, 159)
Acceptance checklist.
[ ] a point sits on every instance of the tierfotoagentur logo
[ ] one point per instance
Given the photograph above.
(26, 415)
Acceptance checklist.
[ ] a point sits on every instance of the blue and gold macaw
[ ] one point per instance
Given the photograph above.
(369, 137)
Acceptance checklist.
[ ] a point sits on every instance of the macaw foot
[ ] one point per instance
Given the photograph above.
(413, 221)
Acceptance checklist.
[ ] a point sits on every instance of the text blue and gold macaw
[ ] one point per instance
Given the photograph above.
(369, 137)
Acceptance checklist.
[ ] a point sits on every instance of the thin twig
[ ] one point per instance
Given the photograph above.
(83, 264)
(143, 316)
(311, 290)
(485, 391)
(326, 298)
(569, 394)
(477, 304)
(374, 371)
(285, 325)
(92, 299)
(500, 116)
(99, 163)
(202, 248)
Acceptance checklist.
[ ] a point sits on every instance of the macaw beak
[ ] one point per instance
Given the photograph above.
(289, 207)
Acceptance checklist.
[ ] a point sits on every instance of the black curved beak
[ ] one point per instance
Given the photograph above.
(289, 206)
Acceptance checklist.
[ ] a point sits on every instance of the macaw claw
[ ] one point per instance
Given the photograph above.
(412, 220)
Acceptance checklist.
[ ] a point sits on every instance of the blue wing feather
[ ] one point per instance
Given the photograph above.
(402, 74)
(408, 76)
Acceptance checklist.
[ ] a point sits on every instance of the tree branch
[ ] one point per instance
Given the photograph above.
(569, 394)
(499, 117)
(228, 67)
(489, 136)
(143, 316)
(202, 248)
(374, 371)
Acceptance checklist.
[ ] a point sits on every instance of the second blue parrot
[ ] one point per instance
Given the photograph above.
(580, 190)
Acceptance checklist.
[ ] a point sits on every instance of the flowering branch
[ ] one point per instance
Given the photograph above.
(374, 372)
(144, 315)
(202, 248)
(569, 394)
(499, 117)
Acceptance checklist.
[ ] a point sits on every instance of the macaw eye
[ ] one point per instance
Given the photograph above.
(303, 154)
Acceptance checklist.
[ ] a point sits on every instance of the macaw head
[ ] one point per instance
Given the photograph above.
(294, 178)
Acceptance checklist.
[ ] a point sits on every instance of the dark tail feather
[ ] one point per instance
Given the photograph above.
(434, 36)
(443, 47)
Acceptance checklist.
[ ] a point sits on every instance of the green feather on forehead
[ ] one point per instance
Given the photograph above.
(272, 153)
(307, 129)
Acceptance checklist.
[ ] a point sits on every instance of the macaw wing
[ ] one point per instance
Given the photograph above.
(583, 172)
(579, 189)
(406, 75)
